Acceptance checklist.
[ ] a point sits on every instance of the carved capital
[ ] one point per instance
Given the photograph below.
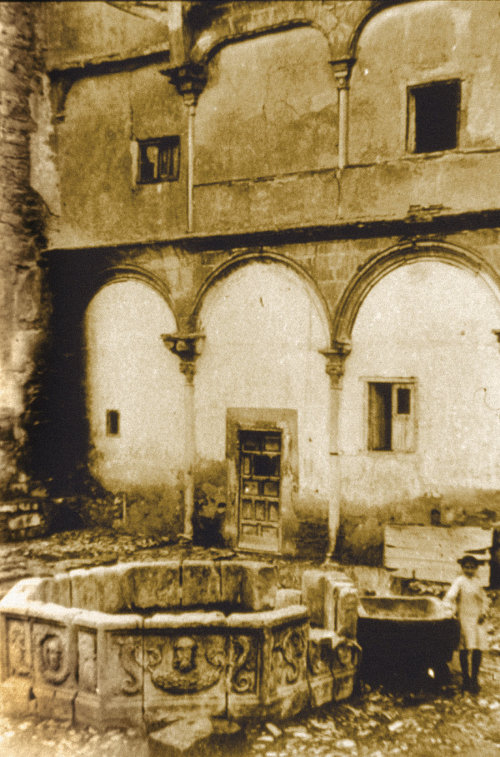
(342, 71)
(335, 362)
(187, 347)
(189, 80)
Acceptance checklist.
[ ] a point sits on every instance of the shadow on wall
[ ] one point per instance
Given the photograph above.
(360, 537)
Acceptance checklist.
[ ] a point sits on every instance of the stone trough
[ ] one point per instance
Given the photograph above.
(140, 644)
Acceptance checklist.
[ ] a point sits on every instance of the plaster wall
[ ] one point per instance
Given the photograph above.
(130, 370)
(433, 322)
(262, 97)
(81, 32)
(264, 330)
(97, 142)
(417, 43)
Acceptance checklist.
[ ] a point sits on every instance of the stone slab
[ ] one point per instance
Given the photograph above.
(259, 586)
(180, 737)
(201, 584)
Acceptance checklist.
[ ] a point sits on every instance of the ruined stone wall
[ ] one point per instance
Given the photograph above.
(23, 303)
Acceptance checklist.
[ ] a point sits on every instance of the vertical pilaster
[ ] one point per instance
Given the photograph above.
(189, 80)
(342, 72)
(335, 366)
(187, 347)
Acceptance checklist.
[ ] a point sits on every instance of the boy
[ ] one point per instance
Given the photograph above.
(470, 601)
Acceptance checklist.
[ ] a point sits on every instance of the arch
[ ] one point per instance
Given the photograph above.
(125, 272)
(376, 8)
(382, 263)
(281, 16)
(237, 261)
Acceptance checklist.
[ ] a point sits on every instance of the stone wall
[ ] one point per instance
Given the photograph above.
(23, 301)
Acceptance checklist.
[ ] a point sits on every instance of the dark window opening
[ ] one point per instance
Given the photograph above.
(433, 117)
(158, 160)
(112, 422)
(403, 396)
(380, 412)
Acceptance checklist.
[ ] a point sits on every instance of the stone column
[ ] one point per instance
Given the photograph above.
(335, 365)
(342, 72)
(189, 80)
(187, 347)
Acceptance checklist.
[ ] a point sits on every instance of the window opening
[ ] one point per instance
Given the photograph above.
(391, 421)
(433, 116)
(403, 396)
(158, 160)
(260, 488)
(112, 422)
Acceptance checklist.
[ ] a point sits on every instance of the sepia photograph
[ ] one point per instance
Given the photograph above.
(250, 378)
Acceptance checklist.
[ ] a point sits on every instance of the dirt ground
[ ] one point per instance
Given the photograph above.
(429, 722)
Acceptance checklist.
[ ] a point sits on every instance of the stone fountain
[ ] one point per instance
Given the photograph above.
(144, 643)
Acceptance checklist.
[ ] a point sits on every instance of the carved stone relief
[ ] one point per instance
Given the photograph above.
(288, 655)
(87, 661)
(129, 651)
(184, 665)
(317, 658)
(52, 658)
(18, 648)
(244, 656)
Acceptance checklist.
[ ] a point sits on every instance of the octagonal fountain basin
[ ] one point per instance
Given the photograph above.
(143, 643)
(406, 634)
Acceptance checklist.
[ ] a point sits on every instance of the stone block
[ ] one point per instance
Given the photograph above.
(259, 586)
(313, 592)
(155, 585)
(58, 590)
(332, 587)
(319, 661)
(231, 574)
(245, 675)
(185, 662)
(54, 667)
(110, 650)
(84, 589)
(180, 737)
(347, 612)
(346, 659)
(285, 692)
(16, 698)
(200, 583)
(288, 598)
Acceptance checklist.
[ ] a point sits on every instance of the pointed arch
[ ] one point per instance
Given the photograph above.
(126, 272)
(263, 256)
(386, 261)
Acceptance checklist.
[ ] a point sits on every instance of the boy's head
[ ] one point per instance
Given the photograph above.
(469, 564)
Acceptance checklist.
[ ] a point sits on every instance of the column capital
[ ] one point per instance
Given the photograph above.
(187, 347)
(189, 80)
(336, 356)
(342, 71)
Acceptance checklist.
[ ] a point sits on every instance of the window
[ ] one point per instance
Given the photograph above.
(158, 160)
(112, 422)
(391, 413)
(433, 115)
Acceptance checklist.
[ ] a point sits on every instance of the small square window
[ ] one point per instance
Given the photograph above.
(433, 116)
(391, 421)
(112, 422)
(158, 160)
